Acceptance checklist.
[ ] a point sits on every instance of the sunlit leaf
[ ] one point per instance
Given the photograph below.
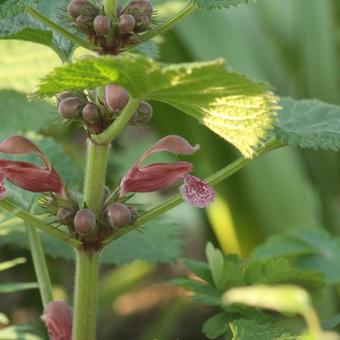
(237, 109)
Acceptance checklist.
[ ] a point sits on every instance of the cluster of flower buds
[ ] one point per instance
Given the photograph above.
(98, 113)
(111, 33)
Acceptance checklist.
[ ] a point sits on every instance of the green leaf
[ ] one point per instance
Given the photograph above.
(157, 241)
(216, 325)
(251, 330)
(331, 323)
(231, 105)
(279, 270)
(215, 4)
(314, 249)
(16, 287)
(12, 263)
(11, 8)
(201, 269)
(24, 27)
(216, 264)
(18, 115)
(203, 293)
(309, 124)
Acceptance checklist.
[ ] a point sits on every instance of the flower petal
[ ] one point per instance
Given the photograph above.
(196, 192)
(3, 191)
(19, 145)
(153, 177)
(30, 177)
(58, 320)
(174, 144)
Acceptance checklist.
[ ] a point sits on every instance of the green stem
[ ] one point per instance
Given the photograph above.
(188, 9)
(110, 8)
(97, 156)
(40, 265)
(119, 124)
(85, 296)
(37, 223)
(312, 322)
(55, 27)
(212, 180)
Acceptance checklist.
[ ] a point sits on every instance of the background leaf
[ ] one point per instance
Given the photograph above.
(309, 124)
(214, 4)
(10, 8)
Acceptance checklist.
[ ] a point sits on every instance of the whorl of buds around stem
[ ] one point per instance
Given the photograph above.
(118, 215)
(85, 222)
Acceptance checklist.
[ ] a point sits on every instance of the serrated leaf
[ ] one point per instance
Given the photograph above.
(216, 325)
(216, 264)
(309, 124)
(23, 27)
(231, 105)
(279, 270)
(251, 330)
(218, 4)
(11, 8)
(315, 249)
(16, 287)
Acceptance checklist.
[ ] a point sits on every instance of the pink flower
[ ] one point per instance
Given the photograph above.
(157, 176)
(26, 175)
(58, 320)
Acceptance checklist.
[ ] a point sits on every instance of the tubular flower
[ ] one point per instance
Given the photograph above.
(58, 320)
(26, 175)
(158, 176)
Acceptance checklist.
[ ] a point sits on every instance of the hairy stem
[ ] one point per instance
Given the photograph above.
(56, 28)
(188, 9)
(85, 296)
(97, 156)
(212, 180)
(110, 8)
(119, 124)
(40, 265)
(37, 223)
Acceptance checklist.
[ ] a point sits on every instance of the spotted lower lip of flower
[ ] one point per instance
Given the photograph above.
(26, 175)
(196, 192)
(158, 176)
(58, 320)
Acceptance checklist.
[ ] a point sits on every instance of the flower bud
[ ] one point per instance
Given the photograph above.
(84, 24)
(106, 193)
(64, 95)
(70, 108)
(101, 25)
(127, 23)
(139, 7)
(145, 112)
(84, 222)
(63, 214)
(74, 8)
(118, 215)
(115, 98)
(142, 24)
(134, 118)
(90, 112)
(134, 214)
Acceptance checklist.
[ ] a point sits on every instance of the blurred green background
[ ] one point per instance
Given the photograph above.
(294, 46)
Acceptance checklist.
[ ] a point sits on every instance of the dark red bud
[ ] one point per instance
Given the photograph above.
(70, 108)
(101, 25)
(145, 112)
(115, 98)
(84, 24)
(127, 23)
(63, 214)
(90, 112)
(136, 7)
(75, 6)
(142, 24)
(64, 95)
(84, 222)
(118, 215)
